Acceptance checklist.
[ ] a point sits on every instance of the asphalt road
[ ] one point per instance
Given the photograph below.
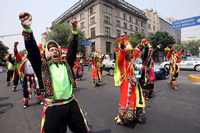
(167, 112)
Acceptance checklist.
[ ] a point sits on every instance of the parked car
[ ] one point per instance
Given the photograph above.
(108, 64)
(189, 63)
(159, 71)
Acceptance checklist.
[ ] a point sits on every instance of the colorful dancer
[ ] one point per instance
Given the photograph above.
(30, 82)
(147, 70)
(10, 68)
(131, 99)
(174, 58)
(78, 68)
(95, 65)
(55, 81)
(18, 59)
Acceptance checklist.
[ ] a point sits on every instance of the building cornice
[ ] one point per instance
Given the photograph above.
(122, 4)
(73, 10)
(77, 7)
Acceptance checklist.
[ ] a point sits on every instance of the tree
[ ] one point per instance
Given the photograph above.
(161, 38)
(136, 38)
(3, 51)
(61, 33)
(189, 46)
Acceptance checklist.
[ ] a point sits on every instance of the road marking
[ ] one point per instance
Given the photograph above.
(194, 78)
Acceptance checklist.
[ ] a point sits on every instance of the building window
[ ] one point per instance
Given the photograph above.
(108, 10)
(118, 33)
(82, 15)
(125, 25)
(118, 23)
(133, 20)
(142, 24)
(136, 28)
(107, 31)
(93, 33)
(92, 10)
(154, 28)
(124, 16)
(131, 27)
(107, 20)
(130, 19)
(92, 20)
(93, 47)
(136, 21)
(125, 33)
(82, 25)
(142, 30)
(108, 47)
(149, 26)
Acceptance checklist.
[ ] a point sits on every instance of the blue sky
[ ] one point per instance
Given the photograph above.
(45, 11)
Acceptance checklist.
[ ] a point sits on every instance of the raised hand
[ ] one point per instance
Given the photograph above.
(26, 19)
(16, 44)
(74, 24)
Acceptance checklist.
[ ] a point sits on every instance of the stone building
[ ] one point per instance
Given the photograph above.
(103, 20)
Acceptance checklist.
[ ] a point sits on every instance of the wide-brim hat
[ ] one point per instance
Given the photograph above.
(129, 47)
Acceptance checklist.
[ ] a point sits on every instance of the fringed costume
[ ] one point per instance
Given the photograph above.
(174, 58)
(55, 77)
(147, 70)
(131, 101)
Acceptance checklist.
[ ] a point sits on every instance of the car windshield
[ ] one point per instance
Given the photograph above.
(196, 59)
(192, 59)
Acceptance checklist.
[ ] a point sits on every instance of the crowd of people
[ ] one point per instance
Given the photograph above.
(51, 76)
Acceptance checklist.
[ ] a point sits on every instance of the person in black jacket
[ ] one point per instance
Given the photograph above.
(56, 81)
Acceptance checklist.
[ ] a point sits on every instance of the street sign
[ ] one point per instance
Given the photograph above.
(186, 22)
(85, 42)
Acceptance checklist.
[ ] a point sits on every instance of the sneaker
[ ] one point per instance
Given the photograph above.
(25, 106)
(118, 121)
(14, 88)
(25, 103)
(8, 83)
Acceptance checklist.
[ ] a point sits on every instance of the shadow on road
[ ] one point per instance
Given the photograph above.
(79, 89)
(103, 131)
(3, 98)
(5, 107)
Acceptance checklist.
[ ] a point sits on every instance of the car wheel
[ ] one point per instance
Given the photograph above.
(111, 72)
(166, 66)
(197, 68)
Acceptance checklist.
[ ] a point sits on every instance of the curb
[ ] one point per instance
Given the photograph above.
(194, 78)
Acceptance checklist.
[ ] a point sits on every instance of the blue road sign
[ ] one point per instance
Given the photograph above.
(186, 22)
(85, 42)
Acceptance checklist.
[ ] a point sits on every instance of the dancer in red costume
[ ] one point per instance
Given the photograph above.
(96, 70)
(131, 95)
